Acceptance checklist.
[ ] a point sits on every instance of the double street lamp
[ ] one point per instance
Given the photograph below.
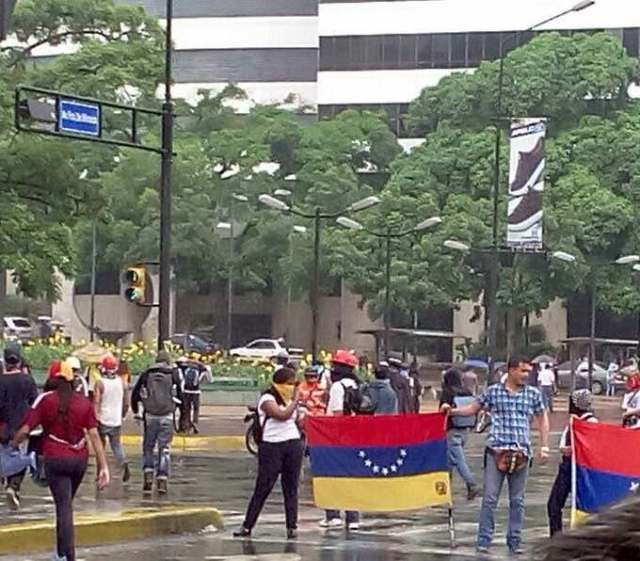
(317, 216)
(494, 270)
(388, 235)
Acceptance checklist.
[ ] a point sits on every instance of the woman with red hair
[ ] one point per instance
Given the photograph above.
(631, 403)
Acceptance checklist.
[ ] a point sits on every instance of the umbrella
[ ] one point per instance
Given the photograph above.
(476, 363)
(543, 358)
(91, 353)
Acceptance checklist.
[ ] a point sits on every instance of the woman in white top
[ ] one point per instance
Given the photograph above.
(279, 453)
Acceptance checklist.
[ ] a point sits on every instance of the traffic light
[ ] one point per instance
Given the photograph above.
(135, 279)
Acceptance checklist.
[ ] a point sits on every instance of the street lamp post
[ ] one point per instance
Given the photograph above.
(317, 216)
(295, 230)
(494, 271)
(389, 235)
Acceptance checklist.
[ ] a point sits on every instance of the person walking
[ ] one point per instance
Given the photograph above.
(547, 384)
(631, 403)
(279, 452)
(69, 421)
(400, 384)
(312, 396)
(612, 372)
(343, 379)
(17, 392)
(509, 452)
(111, 401)
(158, 389)
(193, 374)
(384, 399)
(455, 395)
(580, 407)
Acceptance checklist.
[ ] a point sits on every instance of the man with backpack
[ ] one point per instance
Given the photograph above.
(158, 389)
(193, 374)
(344, 393)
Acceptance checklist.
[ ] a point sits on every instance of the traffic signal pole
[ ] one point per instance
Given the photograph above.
(164, 315)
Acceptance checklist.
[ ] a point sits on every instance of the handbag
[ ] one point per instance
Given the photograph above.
(509, 461)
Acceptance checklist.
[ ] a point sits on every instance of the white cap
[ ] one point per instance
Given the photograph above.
(74, 363)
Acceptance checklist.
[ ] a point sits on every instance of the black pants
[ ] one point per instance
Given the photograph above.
(190, 411)
(64, 476)
(279, 458)
(558, 497)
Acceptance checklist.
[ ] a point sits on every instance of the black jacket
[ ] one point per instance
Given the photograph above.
(17, 393)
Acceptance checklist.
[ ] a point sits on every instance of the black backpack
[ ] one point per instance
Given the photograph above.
(159, 393)
(257, 428)
(191, 376)
(358, 400)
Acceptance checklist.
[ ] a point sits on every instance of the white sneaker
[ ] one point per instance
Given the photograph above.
(12, 499)
(353, 526)
(331, 523)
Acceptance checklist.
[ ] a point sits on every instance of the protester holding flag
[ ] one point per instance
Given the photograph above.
(509, 452)
(279, 452)
(580, 407)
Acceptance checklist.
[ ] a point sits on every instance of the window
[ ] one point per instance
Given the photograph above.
(458, 50)
(631, 41)
(327, 53)
(408, 56)
(492, 46)
(425, 51)
(374, 52)
(341, 53)
(441, 50)
(357, 52)
(475, 49)
(391, 52)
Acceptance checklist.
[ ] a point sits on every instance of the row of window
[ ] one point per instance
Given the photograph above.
(433, 50)
(395, 113)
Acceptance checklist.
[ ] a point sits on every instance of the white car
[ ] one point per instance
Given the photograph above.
(263, 349)
(17, 327)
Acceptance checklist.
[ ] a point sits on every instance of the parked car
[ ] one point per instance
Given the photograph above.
(16, 327)
(192, 343)
(599, 378)
(265, 349)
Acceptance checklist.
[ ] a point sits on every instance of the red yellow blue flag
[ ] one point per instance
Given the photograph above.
(379, 464)
(606, 466)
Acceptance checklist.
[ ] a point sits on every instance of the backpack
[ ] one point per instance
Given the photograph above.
(191, 378)
(159, 393)
(468, 421)
(257, 428)
(358, 400)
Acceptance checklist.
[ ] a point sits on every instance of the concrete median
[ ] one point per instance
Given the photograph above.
(110, 527)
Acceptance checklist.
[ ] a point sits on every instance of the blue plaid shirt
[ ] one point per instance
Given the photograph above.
(511, 414)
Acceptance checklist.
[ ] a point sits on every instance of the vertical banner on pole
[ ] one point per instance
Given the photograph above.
(526, 183)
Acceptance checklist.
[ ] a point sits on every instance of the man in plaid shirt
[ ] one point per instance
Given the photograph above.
(509, 452)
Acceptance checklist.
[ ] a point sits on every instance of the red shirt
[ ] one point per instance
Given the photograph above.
(71, 428)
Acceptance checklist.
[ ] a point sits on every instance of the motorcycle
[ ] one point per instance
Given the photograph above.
(253, 419)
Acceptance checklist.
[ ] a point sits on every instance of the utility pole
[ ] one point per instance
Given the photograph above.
(164, 315)
(94, 257)
(315, 287)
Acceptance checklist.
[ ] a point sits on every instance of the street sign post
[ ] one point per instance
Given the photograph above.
(79, 117)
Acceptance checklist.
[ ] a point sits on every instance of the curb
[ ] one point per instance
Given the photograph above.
(98, 529)
(195, 443)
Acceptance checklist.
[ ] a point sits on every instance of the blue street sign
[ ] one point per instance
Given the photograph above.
(79, 118)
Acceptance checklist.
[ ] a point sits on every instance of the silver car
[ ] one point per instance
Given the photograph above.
(599, 377)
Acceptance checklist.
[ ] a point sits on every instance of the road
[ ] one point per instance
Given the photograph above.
(226, 481)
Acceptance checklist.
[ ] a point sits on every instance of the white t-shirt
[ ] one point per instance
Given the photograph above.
(546, 377)
(110, 413)
(275, 430)
(565, 433)
(336, 395)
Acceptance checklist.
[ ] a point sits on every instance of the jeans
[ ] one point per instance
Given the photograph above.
(190, 411)
(559, 494)
(493, 481)
(352, 517)
(456, 440)
(157, 430)
(113, 434)
(611, 389)
(283, 459)
(64, 476)
(547, 395)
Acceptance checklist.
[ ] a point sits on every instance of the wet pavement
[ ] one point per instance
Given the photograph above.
(226, 482)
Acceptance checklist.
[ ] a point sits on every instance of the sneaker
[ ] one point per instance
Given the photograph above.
(331, 523)
(516, 550)
(353, 526)
(482, 549)
(126, 473)
(242, 533)
(13, 500)
(56, 557)
(162, 485)
(196, 430)
(472, 492)
(292, 534)
(147, 485)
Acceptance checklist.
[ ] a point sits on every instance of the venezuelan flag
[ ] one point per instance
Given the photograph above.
(379, 464)
(606, 466)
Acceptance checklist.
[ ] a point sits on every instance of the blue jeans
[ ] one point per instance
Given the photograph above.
(352, 516)
(456, 439)
(115, 441)
(157, 431)
(493, 481)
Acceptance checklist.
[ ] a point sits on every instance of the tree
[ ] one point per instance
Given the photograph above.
(44, 190)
